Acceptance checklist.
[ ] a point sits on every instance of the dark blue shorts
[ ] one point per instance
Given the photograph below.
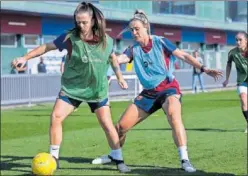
(93, 105)
(150, 101)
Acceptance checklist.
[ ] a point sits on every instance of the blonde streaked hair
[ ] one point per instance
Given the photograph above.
(140, 16)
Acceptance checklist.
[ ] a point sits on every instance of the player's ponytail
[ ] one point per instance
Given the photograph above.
(141, 16)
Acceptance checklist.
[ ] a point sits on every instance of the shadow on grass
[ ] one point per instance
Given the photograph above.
(191, 129)
(9, 163)
(225, 100)
(14, 163)
(150, 171)
(156, 170)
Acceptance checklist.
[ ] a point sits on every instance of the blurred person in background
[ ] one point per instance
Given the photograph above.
(154, 68)
(41, 67)
(197, 74)
(239, 55)
(90, 50)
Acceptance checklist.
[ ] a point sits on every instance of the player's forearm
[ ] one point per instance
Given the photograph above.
(116, 68)
(38, 51)
(186, 57)
(192, 61)
(228, 70)
(62, 68)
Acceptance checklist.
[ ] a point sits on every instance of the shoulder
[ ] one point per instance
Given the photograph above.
(233, 51)
(166, 43)
(62, 38)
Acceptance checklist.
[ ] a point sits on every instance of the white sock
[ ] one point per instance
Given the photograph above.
(183, 153)
(116, 154)
(54, 150)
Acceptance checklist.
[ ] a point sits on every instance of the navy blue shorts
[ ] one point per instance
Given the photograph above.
(150, 101)
(93, 105)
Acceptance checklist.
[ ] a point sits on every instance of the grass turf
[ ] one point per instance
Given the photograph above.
(215, 127)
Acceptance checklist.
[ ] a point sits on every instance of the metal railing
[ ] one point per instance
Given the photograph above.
(28, 89)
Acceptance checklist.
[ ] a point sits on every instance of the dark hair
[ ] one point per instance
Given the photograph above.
(141, 16)
(195, 51)
(99, 27)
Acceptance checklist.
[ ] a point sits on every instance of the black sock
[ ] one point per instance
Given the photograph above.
(116, 161)
(245, 115)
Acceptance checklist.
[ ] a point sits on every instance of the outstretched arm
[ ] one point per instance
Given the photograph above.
(228, 70)
(34, 53)
(186, 57)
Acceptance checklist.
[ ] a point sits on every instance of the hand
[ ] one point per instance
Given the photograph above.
(225, 83)
(123, 84)
(216, 74)
(18, 62)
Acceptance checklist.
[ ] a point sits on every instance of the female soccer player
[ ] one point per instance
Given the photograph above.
(84, 77)
(154, 68)
(239, 55)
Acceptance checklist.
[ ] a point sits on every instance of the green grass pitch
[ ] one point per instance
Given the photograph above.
(215, 127)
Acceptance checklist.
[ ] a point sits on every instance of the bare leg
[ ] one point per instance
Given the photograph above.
(243, 100)
(61, 110)
(104, 118)
(172, 108)
(132, 116)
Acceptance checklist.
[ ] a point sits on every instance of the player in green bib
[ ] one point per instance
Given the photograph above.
(90, 52)
(239, 55)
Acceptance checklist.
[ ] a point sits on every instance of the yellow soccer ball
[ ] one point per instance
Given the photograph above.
(43, 164)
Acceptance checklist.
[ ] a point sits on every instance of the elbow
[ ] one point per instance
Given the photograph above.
(229, 66)
(45, 48)
(114, 59)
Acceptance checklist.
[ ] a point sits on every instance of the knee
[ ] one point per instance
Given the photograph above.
(56, 118)
(171, 111)
(174, 116)
(121, 130)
